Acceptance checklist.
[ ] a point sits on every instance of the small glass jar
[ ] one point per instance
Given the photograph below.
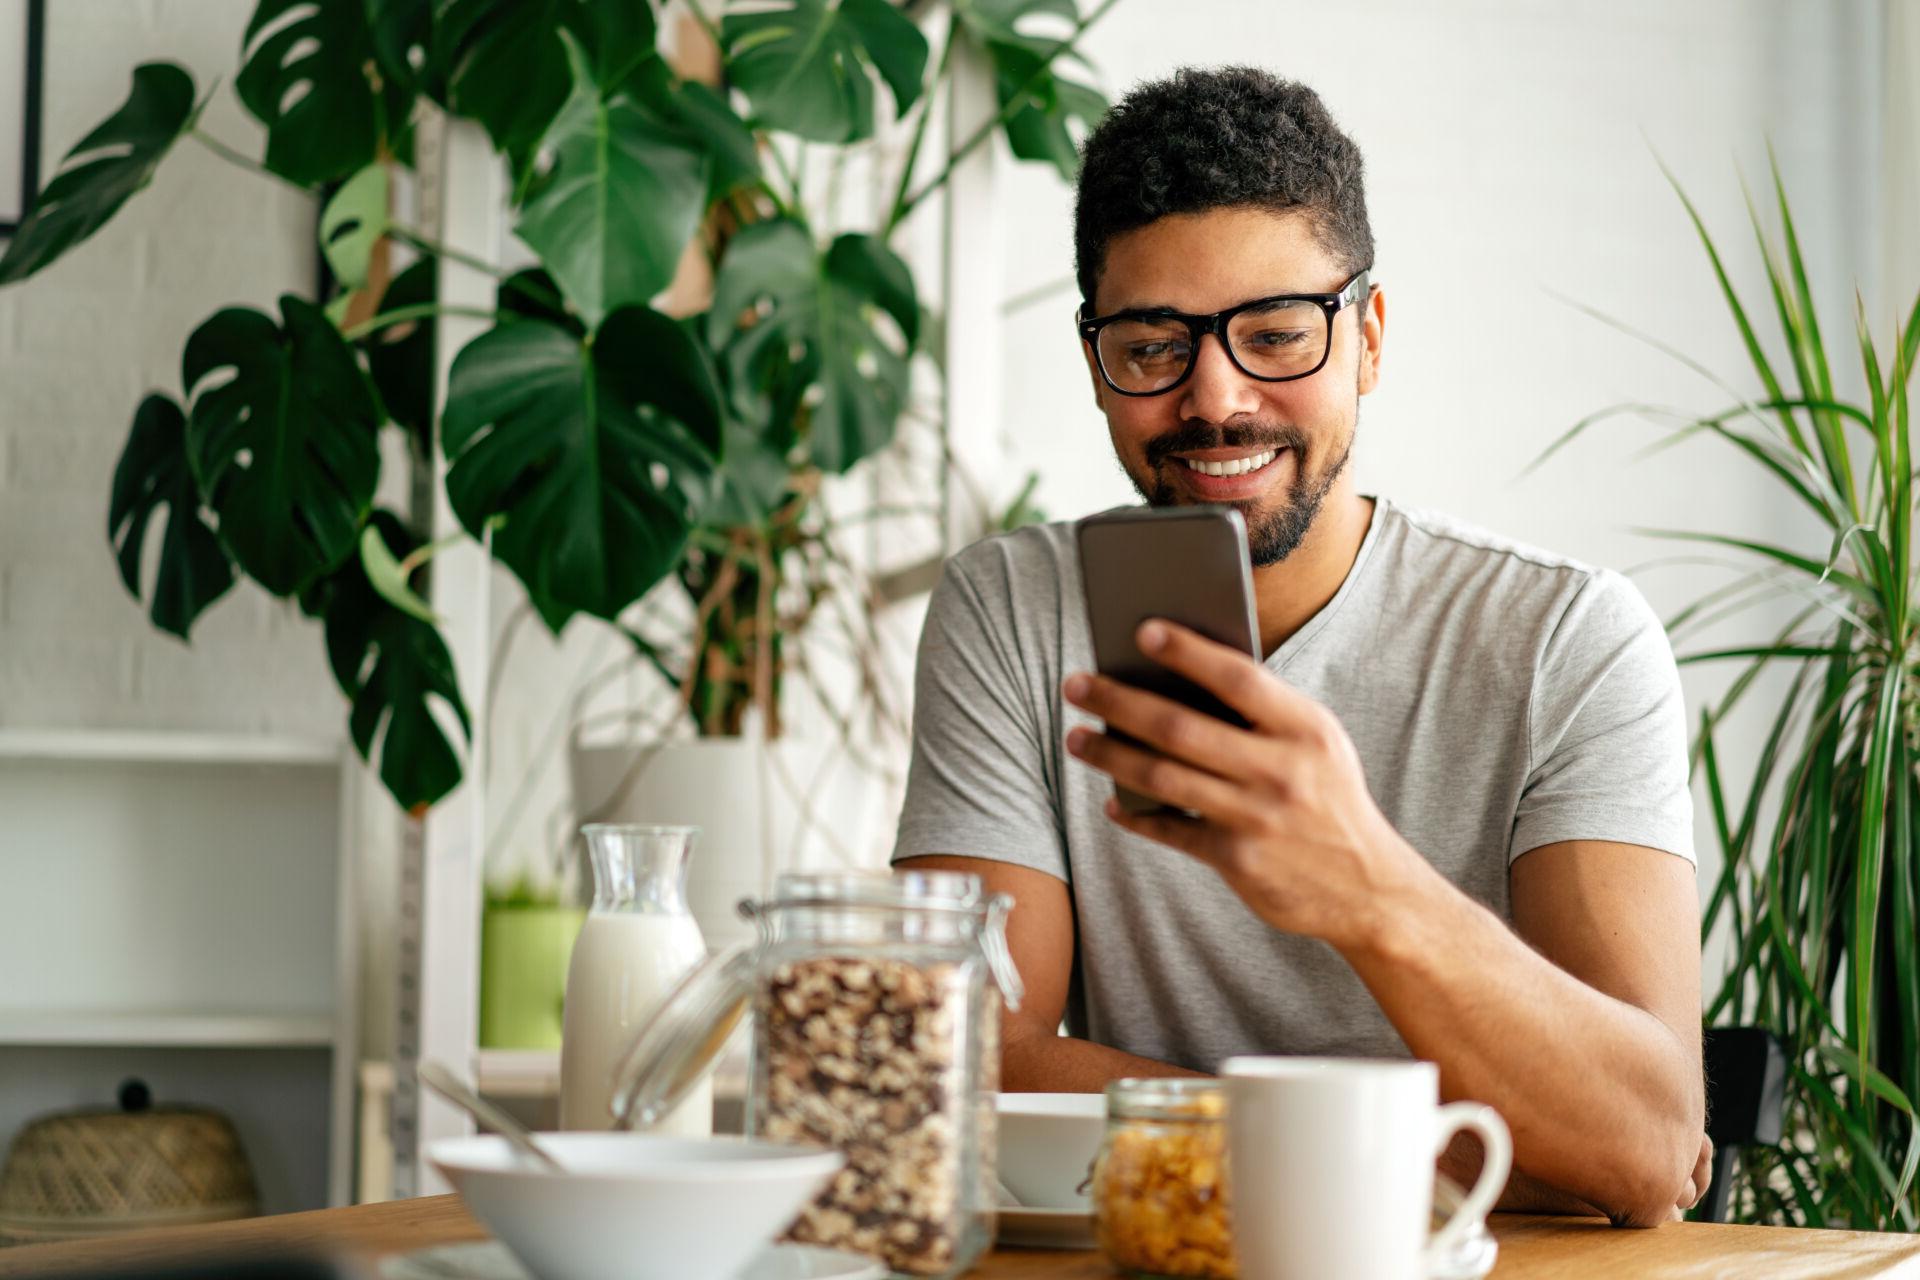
(1159, 1183)
(875, 1004)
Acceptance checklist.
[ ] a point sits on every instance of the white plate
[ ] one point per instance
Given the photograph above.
(490, 1260)
(1046, 1228)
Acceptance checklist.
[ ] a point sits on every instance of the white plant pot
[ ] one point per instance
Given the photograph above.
(749, 797)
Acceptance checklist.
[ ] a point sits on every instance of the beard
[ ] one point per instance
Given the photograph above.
(1274, 531)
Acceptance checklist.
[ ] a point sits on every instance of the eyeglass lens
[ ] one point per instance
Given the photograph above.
(1282, 340)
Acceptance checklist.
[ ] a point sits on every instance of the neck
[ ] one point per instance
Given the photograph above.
(1286, 594)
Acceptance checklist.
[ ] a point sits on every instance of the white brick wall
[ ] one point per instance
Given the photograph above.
(80, 344)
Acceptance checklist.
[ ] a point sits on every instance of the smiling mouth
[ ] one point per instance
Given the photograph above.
(1232, 466)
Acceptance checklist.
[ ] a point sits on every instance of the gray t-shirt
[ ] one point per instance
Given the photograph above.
(1501, 698)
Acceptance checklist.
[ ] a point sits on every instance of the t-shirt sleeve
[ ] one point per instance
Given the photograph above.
(1607, 730)
(977, 786)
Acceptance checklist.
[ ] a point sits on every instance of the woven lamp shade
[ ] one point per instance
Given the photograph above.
(90, 1173)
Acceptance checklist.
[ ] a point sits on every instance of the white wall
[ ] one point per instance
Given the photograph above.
(80, 344)
(1511, 154)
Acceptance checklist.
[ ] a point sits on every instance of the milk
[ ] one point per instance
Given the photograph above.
(623, 966)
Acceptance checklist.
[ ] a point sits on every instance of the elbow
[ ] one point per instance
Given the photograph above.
(1654, 1182)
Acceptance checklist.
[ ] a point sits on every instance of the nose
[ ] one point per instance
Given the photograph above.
(1216, 390)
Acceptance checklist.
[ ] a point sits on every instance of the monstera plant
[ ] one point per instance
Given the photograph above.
(599, 445)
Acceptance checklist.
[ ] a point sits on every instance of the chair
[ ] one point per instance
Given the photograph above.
(1746, 1093)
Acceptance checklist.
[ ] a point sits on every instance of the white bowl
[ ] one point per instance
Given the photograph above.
(635, 1206)
(1047, 1145)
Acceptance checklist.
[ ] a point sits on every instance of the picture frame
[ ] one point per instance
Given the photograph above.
(23, 63)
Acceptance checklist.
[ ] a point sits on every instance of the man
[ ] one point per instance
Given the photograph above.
(1458, 826)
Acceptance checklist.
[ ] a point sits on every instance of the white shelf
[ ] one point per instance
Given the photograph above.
(140, 746)
(166, 1030)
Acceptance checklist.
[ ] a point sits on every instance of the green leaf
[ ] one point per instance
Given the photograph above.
(621, 35)
(402, 34)
(395, 669)
(385, 576)
(735, 154)
(503, 64)
(753, 483)
(306, 80)
(622, 200)
(352, 224)
(104, 170)
(1000, 19)
(804, 65)
(1049, 103)
(400, 357)
(283, 446)
(193, 571)
(1755, 353)
(563, 439)
(803, 326)
(701, 114)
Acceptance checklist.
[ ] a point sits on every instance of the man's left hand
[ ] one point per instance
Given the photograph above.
(1280, 808)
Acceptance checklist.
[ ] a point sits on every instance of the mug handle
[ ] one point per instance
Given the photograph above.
(1472, 1213)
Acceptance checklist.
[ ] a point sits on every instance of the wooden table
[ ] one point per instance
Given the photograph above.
(1531, 1248)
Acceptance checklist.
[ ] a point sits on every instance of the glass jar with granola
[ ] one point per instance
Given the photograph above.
(875, 1005)
(1159, 1184)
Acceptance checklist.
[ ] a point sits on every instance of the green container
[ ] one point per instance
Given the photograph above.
(523, 973)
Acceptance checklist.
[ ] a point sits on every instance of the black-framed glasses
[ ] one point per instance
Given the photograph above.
(1277, 339)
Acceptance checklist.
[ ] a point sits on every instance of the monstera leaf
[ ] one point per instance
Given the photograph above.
(153, 473)
(1048, 103)
(699, 113)
(400, 357)
(306, 79)
(503, 64)
(804, 64)
(394, 668)
(851, 378)
(623, 198)
(352, 224)
(105, 169)
(282, 439)
(591, 456)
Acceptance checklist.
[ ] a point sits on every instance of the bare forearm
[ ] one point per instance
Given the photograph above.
(1044, 1063)
(1603, 1099)
(1523, 1192)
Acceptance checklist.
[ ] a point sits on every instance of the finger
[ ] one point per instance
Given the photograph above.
(1172, 728)
(1227, 673)
(1161, 777)
(1191, 836)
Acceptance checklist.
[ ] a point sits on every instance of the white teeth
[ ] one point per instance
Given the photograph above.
(1238, 466)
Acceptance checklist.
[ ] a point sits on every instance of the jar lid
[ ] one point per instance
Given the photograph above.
(1168, 1098)
(679, 1044)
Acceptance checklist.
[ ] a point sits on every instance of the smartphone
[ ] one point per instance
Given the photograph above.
(1185, 564)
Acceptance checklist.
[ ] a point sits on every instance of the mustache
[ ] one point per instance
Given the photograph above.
(1205, 435)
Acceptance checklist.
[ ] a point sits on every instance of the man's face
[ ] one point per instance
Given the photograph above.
(1207, 262)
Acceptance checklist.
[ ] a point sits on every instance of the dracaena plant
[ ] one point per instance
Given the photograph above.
(601, 446)
(1819, 903)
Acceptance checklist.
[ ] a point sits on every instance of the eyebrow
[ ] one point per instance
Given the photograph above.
(1163, 309)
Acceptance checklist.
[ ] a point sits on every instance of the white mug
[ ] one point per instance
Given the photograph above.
(1331, 1167)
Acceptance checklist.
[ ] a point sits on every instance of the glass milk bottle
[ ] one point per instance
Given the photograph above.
(638, 942)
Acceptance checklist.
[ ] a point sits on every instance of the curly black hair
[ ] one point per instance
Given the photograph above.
(1218, 137)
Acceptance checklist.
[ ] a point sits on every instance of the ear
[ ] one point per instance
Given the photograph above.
(1373, 335)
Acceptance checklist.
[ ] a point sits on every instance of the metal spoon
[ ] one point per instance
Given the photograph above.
(455, 1090)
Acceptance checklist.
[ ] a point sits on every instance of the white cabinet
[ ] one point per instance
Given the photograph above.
(178, 907)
